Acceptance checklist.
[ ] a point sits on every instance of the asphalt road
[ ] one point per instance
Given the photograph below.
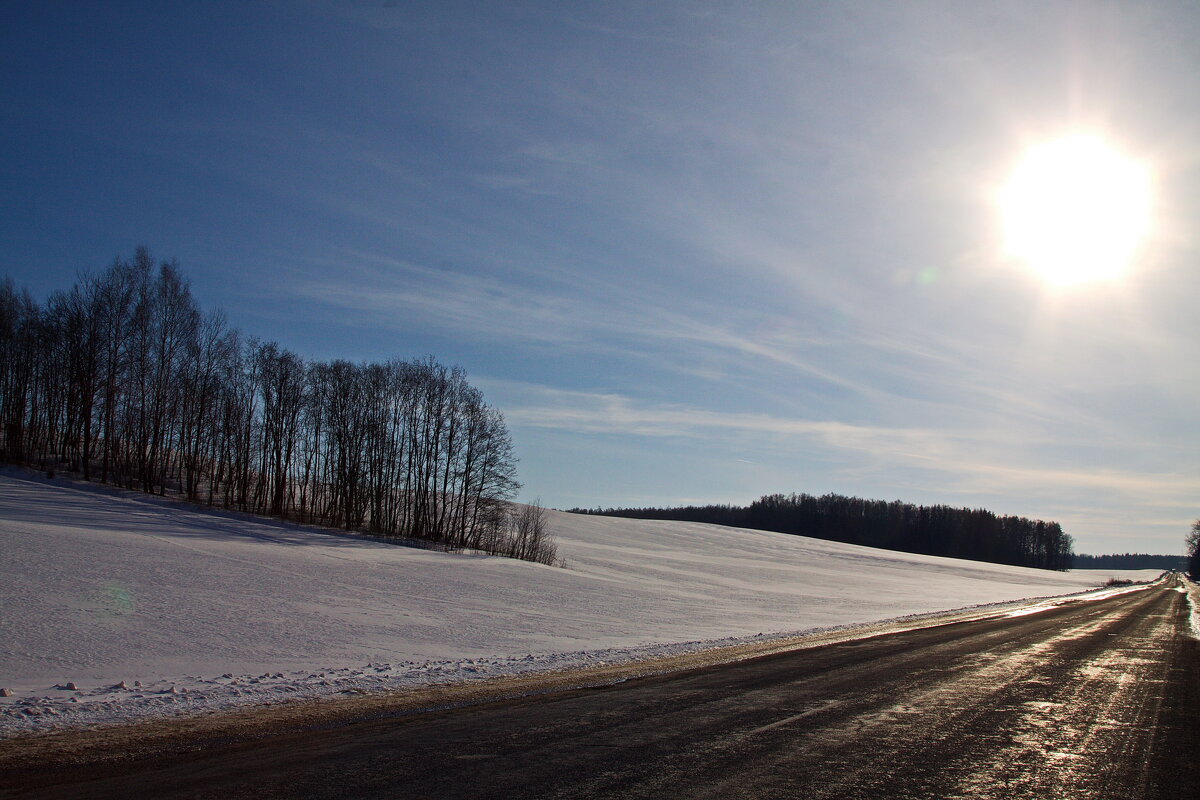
(1087, 700)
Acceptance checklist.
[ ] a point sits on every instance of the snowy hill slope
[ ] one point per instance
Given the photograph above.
(204, 610)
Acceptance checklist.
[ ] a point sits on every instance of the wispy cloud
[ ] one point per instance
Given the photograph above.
(931, 384)
(398, 294)
(964, 461)
(395, 293)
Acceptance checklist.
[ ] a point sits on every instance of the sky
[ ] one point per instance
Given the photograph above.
(695, 252)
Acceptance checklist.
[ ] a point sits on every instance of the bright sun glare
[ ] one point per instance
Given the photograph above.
(1075, 210)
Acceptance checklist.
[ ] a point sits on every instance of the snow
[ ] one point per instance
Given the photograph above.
(117, 606)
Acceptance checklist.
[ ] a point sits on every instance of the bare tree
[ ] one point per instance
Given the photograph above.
(1193, 550)
(531, 540)
(124, 370)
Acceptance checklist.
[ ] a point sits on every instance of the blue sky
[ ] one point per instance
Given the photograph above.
(695, 252)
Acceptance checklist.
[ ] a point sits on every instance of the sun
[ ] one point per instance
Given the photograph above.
(1076, 210)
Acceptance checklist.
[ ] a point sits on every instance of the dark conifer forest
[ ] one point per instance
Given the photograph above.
(932, 530)
(1130, 561)
(124, 380)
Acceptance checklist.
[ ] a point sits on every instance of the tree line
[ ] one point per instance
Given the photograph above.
(938, 530)
(1129, 561)
(125, 380)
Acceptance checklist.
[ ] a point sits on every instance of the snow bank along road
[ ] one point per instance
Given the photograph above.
(117, 607)
(1083, 700)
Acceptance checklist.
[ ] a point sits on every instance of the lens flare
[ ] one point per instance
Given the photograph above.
(116, 600)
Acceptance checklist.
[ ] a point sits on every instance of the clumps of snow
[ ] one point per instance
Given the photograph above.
(129, 604)
(1191, 590)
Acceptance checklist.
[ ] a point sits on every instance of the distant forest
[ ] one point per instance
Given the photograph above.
(1130, 561)
(932, 530)
(123, 379)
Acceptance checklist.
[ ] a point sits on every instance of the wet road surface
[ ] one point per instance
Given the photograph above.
(1086, 700)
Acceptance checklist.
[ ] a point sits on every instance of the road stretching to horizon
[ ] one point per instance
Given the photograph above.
(1086, 700)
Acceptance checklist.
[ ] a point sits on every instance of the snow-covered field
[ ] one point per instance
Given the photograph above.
(116, 606)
